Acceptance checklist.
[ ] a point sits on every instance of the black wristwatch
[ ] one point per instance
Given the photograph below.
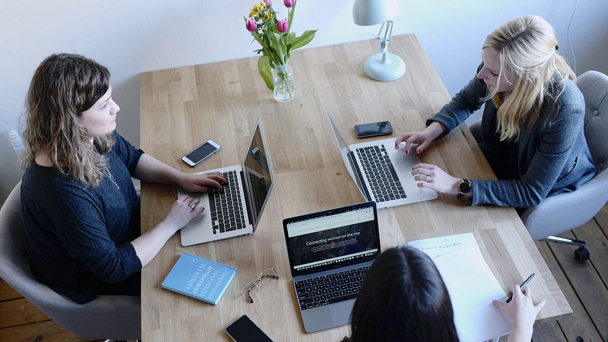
(464, 187)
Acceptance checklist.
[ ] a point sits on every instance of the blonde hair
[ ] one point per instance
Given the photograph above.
(527, 48)
(64, 86)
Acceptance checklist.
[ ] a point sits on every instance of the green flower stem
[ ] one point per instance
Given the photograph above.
(284, 81)
(274, 58)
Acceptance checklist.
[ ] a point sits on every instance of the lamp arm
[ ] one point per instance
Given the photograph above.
(388, 32)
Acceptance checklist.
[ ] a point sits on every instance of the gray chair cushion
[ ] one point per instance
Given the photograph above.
(113, 317)
(594, 86)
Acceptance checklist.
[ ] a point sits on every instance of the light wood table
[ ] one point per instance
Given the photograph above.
(183, 107)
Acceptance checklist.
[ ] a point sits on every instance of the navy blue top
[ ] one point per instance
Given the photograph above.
(553, 157)
(78, 238)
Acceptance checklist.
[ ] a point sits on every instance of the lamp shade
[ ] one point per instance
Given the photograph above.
(373, 12)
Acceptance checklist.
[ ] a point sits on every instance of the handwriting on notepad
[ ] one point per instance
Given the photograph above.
(437, 251)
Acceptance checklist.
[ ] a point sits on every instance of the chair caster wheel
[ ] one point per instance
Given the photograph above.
(581, 254)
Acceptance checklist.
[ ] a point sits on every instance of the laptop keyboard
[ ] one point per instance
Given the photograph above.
(380, 173)
(226, 208)
(329, 289)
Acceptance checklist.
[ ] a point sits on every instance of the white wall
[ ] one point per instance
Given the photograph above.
(130, 37)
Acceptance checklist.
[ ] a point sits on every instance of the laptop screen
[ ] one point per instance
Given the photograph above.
(349, 159)
(333, 238)
(258, 174)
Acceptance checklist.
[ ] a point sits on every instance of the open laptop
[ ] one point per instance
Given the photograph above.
(382, 173)
(329, 255)
(236, 211)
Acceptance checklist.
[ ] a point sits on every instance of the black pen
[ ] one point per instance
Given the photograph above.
(522, 286)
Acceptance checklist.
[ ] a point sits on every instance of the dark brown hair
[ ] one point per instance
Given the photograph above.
(403, 298)
(64, 86)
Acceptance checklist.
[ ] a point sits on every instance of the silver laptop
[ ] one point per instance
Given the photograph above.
(329, 255)
(236, 210)
(382, 173)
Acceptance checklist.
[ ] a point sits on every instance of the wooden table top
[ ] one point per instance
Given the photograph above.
(183, 107)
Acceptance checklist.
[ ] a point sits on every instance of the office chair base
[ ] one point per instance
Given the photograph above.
(581, 254)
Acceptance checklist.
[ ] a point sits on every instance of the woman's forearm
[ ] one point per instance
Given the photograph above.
(149, 244)
(150, 169)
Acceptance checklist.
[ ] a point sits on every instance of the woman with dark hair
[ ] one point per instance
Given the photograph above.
(79, 209)
(404, 298)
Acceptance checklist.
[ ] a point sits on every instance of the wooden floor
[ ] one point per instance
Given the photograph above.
(585, 285)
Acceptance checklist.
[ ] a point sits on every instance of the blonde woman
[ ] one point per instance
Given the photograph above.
(532, 122)
(79, 209)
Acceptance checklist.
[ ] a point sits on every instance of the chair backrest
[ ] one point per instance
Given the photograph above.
(115, 317)
(594, 86)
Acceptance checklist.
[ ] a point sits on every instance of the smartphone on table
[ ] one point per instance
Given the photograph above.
(373, 129)
(201, 153)
(245, 330)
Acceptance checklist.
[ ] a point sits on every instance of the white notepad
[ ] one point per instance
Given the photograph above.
(471, 285)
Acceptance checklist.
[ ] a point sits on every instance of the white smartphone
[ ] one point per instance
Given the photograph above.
(201, 153)
(245, 330)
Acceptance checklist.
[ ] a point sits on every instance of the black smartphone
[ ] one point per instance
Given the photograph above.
(201, 153)
(373, 129)
(245, 330)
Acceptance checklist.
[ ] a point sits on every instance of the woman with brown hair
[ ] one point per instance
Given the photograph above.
(532, 124)
(79, 209)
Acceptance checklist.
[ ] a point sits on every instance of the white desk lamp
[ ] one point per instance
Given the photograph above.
(382, 66)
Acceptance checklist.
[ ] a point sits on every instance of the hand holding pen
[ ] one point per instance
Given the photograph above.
(521, 312)
(521, 286)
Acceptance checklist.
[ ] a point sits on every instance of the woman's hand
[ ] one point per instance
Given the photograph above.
(182, 211)
(201, 182)
(422, 139)
(434, 178)
(149, 243)
(521, 313)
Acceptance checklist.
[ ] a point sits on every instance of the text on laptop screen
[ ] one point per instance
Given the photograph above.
(258, 174)
(332, 239)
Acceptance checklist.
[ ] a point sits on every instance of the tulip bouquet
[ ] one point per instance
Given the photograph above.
(276, 40)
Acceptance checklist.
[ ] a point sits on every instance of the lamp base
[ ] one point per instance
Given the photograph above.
(384, 68)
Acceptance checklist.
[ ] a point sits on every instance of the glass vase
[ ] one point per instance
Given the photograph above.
(282, 76)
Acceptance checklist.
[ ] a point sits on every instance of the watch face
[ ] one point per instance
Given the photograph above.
(464, 187)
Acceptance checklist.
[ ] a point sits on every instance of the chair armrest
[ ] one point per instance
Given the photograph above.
(569, 210)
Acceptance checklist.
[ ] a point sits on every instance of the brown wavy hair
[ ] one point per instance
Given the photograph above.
(528, 48)
(64, 86)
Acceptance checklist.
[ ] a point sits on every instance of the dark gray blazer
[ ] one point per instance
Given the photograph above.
(553, 157)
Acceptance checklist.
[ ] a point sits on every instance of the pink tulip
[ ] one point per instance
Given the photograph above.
(288, 3)
(282, 25)
(268, 3)
(251, 25)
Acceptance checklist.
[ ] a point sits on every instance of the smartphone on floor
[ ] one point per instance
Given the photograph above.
(201, 153)
(245, 330)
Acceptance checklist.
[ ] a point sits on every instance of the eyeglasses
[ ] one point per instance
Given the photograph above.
(252, 290)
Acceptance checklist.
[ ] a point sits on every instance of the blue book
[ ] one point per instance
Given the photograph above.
(199, 278)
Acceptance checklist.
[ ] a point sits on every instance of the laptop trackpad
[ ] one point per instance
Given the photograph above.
(341, 312)
(317, 319)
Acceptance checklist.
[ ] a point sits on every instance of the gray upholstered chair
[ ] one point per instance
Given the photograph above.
(106, 317)
(566, 211)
